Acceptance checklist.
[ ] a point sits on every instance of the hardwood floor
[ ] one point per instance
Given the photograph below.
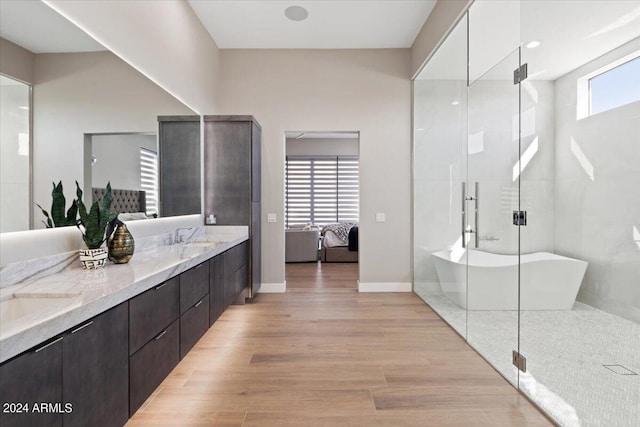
(323, 354)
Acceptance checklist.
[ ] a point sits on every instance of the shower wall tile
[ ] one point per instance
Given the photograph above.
(597, 201)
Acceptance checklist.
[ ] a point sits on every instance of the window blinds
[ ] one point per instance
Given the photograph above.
(321, 189)
(149, 179)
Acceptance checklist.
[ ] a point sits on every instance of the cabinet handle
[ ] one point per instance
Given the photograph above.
(47, 345)
(82, 327)
(161, 286)
(198, 303)
(160, 335)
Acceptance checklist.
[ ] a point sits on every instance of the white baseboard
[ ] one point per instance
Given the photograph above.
(273, 288)
(385, 287)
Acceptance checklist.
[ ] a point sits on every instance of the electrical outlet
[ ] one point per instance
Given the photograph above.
(271, 217)
(380, 217)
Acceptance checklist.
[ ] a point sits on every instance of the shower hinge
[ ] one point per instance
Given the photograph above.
(519, 361)
(520, 218)
(520, 74)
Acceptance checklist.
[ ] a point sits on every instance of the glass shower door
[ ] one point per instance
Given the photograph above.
(491, 199)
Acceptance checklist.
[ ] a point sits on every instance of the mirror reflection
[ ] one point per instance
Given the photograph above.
(14, 154)
(83, 97)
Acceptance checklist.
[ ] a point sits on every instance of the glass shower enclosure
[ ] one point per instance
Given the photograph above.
(526, 206)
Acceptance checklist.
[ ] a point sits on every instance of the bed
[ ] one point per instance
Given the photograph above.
(130, 204)
(339, 242)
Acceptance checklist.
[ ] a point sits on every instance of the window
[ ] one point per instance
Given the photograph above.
(609, 87)
(149, 179)
(321, 190)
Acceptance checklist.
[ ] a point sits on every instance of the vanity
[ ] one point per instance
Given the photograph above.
(88, 347)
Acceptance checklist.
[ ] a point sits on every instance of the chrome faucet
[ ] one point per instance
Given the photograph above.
(177, 236)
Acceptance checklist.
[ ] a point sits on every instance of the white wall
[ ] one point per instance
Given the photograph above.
(78, 93)
(119, 153)
(162, 39)
(322, 147)
(324, 90)
(597, 200)
(16, 61)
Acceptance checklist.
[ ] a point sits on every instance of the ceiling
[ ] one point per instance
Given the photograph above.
(39, 29)
(242, 24)
(342, 24)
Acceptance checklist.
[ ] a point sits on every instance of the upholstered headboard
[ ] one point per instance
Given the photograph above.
(124, 200)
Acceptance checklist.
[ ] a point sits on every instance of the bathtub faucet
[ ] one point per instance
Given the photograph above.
(489, 238)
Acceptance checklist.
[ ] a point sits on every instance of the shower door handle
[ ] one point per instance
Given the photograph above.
(477, 185)
(464, 215)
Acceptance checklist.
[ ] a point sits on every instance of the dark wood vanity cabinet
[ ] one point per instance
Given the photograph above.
(34, 377)
(150, 365)
(101, 371)
(152, 311)
(154, 339)
(81, 377)
(194, 306)
(232, 169)
(179, 172)
(218, 302)
(95, 370)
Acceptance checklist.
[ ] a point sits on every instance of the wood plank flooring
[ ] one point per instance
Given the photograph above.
(323, 354)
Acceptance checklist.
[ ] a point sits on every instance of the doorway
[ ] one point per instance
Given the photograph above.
(322, 208)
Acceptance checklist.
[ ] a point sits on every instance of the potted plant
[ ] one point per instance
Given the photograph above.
(92, 225)
(58, 217)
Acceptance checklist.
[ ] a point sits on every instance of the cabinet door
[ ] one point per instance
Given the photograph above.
(193, 325)
(194, 284)
(254, 262)
(95, 370)
(229, 260)
(227, 171)
(180, 167)
(150, 366)
(34, 377)
(217, 298)
(152, 311)
(256, 162)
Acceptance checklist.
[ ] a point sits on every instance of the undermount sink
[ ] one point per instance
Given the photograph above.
(17, 307)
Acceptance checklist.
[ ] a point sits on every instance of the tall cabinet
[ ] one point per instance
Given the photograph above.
(232, 181)
(179, 141)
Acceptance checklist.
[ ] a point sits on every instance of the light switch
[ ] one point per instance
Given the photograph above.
(380, 217)
(271, 217)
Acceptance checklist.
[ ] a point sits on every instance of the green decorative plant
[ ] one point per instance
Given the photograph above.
(93, 224)
(58, 217)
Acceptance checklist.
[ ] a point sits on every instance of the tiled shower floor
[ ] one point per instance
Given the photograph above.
(566, 352)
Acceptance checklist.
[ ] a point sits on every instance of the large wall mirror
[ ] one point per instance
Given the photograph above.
(86, 104)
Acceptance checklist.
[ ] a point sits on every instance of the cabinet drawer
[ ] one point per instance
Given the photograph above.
(194, 284)
(193, 325)
(152, 311)
(34, 377)
(150, 366)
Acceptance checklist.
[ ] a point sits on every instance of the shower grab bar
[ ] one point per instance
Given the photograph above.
(466, 230)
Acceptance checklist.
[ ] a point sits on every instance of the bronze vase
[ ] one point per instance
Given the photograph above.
(121, 245)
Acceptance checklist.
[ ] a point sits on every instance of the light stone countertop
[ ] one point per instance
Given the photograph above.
(58, 301)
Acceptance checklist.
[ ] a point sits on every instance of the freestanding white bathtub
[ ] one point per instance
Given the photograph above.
(547, 281)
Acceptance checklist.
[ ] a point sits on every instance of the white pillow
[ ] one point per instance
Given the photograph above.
(131, 216)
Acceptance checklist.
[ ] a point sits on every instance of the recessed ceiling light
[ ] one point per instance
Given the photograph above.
(455, 103)
(23, 108)
(296, 13)
(532, 44)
